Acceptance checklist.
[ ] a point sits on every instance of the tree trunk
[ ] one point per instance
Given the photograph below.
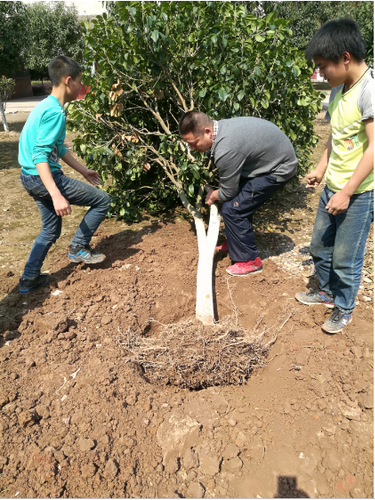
(206, 249)
(2, 115)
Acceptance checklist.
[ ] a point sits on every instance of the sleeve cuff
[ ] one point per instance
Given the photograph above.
(40, 159)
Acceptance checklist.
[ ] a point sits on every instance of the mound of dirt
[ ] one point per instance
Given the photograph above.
(78, 420)
(81, 418)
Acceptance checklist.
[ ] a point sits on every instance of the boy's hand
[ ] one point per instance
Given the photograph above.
(314, 178)
(92, 177)
(338, 203)
(61, 205)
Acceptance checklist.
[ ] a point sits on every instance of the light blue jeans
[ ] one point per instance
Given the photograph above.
(76, 193)
(338, 247)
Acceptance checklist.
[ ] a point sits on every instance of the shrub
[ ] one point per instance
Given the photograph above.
(155, 61)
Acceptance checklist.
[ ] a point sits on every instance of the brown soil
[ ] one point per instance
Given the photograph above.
(82, 416)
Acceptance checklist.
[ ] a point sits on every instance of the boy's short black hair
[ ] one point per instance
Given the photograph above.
(62, 66)
(334, 38)
(193, 121)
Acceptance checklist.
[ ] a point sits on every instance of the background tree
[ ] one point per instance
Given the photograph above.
(156, 61)
(12, 41)
(364, 16)
(305, 18)
(12, 36)
(7, 86)
(52, 29)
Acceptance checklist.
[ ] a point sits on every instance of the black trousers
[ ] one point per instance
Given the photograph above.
(238, 213)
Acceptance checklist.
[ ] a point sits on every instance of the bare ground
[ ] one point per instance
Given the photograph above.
(81, 417)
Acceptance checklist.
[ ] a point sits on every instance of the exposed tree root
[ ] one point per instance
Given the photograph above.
(192, 355)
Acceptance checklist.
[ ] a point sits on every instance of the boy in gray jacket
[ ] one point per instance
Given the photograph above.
(254, 159)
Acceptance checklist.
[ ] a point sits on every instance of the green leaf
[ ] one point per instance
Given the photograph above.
(223, 95)
(191, 189)
(259, 38)
(296, 71)
(270, 16)
(155, 35)
(240, 95)
(202, 93)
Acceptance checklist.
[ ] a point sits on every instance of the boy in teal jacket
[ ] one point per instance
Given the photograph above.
(345, 210)
(40, 148)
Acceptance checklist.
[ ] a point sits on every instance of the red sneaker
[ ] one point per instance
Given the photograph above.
(222, 248)
(245, 268)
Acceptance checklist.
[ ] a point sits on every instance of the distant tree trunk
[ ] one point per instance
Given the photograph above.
(2, 115)
(206, 249)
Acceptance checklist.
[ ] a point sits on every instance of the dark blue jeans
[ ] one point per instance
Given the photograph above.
(76, 193)
(338, 247)
(238, 214)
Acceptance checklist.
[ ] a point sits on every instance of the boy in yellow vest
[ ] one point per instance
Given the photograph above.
(345, 209)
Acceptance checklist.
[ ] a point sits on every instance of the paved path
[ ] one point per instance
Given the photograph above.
(26, 104)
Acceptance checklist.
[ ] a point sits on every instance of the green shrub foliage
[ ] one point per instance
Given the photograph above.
(156, 61)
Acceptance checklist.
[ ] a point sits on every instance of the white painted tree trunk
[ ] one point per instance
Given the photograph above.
(206, 250)
(2, 115)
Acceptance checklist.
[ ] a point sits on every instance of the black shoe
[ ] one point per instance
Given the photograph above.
(27, 286)
(84, 254)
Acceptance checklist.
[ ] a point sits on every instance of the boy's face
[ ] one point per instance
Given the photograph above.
(334, 73)
(73, 87)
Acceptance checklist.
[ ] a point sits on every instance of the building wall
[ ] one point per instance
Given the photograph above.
(87, 8)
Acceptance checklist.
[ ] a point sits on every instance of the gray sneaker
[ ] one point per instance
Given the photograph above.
(337, 321)
(315, 297)
(85, 254)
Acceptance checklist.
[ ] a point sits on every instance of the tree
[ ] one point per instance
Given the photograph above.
(155, 61)
(12, 36)
(364, 16)
(12, 31)
(7, 86)
(305, 18)
(53, 29)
